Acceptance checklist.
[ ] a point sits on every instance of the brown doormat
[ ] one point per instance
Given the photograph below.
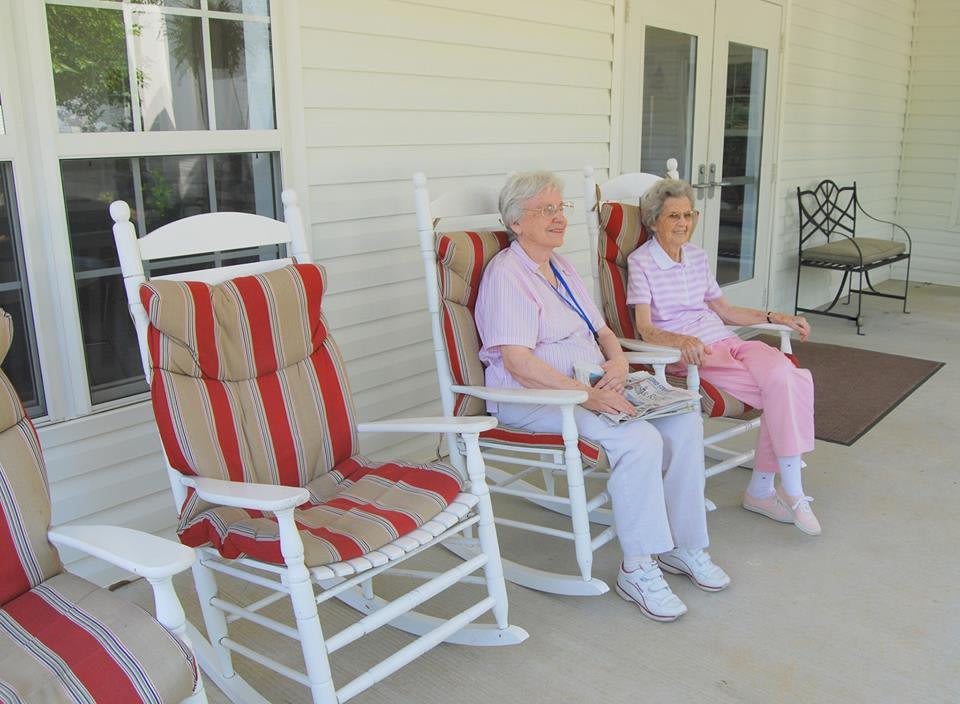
(854, 389)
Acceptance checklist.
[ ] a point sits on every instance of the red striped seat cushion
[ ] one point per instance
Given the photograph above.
(621, 232)
(357, 507)
(248, 386)
(592, 452)
(68, 641)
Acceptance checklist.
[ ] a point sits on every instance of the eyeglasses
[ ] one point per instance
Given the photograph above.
(688, 216)
(550, 210)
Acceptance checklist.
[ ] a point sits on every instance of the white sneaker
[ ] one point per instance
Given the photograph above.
(647, 588)
(697, 565)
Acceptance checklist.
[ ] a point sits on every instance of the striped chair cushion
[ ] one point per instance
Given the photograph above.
(359, 506)
(68, 641)
(592, 452)
(621, 232)
(239, 368)
(26, 556)
(461, 259)
(248, 386)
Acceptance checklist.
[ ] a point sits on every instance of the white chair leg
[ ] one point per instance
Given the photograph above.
(213, 618)
(578, 495)
(297, 580)
(486, 531)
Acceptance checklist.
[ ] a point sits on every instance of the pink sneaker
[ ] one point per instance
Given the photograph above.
(803, 517)
(772, 506)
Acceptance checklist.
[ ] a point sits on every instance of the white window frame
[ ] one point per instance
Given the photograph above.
(49, 260)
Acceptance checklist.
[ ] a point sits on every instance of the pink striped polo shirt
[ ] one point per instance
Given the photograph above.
(516, 305)
(676, 292)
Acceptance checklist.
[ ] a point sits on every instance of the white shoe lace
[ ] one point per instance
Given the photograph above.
(803, 504)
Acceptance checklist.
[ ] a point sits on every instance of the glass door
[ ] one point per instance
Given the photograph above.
(707, 85)
(735, 178)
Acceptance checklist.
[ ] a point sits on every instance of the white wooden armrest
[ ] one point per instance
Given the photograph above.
(545, 397)
(783, 330)
(262, 497)
(652, 357)
(141, 553)
(641, 346)
(772, 327)
(438, 424)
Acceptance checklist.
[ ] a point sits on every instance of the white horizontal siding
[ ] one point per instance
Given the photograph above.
(107, 468)
(464, 92)
(847, 77)
(929, 203)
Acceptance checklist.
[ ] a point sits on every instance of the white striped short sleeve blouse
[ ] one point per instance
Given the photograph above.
(676, 292)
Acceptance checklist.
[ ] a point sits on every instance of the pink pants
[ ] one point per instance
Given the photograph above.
(762, 376)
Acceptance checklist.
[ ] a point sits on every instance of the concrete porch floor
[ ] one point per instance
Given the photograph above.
(867, 612)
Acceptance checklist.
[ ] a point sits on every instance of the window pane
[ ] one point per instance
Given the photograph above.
(242, 74)
(247, 7)
(174, 187)
(246, 183)
(170, 71)
(90, 74)
(21, 364)
(159, 190)
(669, 88)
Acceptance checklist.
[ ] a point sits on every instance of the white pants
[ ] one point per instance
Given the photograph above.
(657, 481)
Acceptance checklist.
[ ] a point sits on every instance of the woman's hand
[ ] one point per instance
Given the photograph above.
(607, 401)
(615, 374)
(795, 322)
(692, 350)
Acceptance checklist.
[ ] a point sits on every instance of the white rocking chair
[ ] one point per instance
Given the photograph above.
(259, 438)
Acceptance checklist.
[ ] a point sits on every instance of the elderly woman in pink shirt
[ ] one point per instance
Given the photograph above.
(677, 302)
(536, 319)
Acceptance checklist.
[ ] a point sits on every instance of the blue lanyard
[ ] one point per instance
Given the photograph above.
(572, 302)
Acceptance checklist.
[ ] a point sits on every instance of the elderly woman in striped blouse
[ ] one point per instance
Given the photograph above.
(536, 319)
(677, 302)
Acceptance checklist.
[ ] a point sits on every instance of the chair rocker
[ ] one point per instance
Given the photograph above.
(830, 212)
(454, 261)
(64, 640)
(258, 432)
(613, 222)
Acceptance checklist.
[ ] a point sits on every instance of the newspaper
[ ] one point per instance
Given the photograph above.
(651, 397)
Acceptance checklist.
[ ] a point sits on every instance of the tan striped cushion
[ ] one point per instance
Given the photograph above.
(620, 233)
(26, 556)
(11, 410)
(69, 642)
(247, 386)
(239, 368)
(461, 259)
(360, 506)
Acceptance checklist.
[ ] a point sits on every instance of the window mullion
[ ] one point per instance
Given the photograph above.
(208, 67)
(132, 68)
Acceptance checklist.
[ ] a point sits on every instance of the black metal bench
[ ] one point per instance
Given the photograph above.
(831, 211)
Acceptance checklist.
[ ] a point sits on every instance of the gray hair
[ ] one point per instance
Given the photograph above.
(520, 188)
(651, 202)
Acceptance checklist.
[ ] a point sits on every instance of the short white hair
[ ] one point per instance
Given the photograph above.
(520, 188)
(651, 202)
